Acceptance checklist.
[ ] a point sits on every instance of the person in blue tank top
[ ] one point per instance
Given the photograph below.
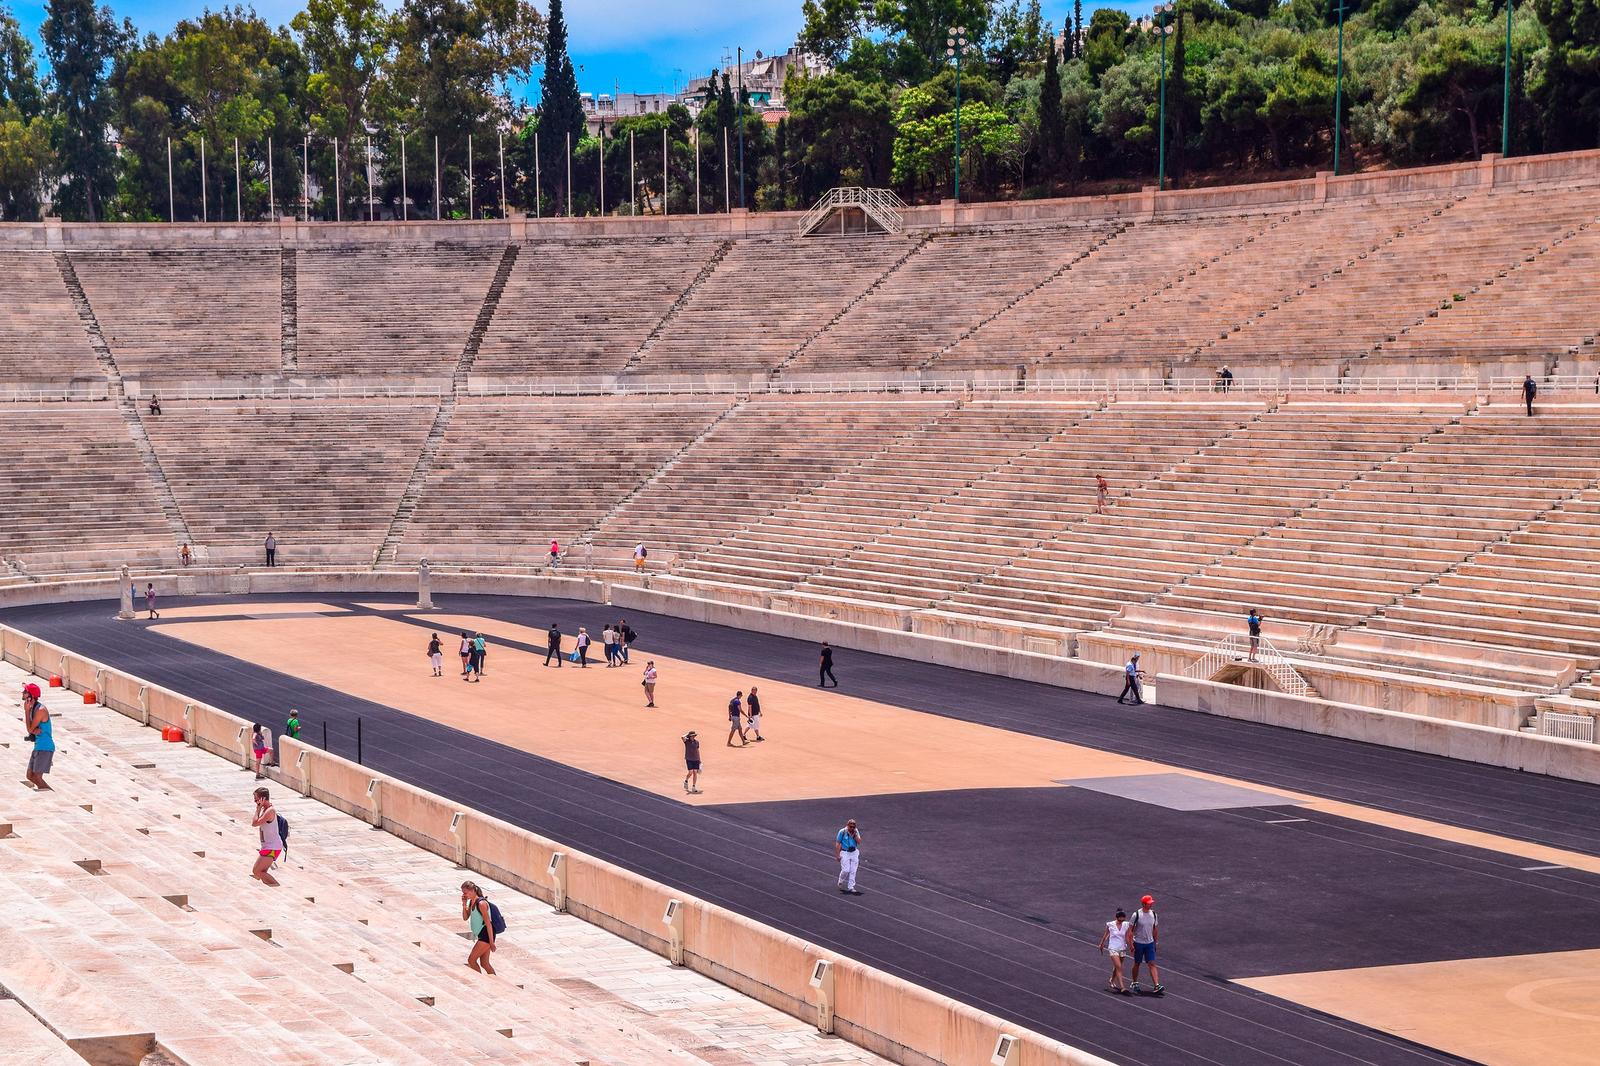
(42, 736)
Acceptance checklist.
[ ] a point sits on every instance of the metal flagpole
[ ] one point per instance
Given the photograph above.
(697, 172)
(172, 210)
(602, 170)
(305, 180)
(338, 192)
(370, 207)
(1505, 95)
(663, 171)
(205, 212)
(569, 173)
(538, 208)
(272, 192)
(727, 176)
(1338, 92)
(405, 206)
(739, 105)
(633, 179)
(436, 206)
(503, 211)
(469, 177)
(238, 196)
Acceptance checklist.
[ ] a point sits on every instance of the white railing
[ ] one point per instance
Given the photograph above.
(880, 205)
(1566, 726)
(1236, 648)
(295, 391)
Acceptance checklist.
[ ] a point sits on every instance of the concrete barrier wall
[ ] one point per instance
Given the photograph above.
(901, 1021)
(1490, 172)
(1568, 759)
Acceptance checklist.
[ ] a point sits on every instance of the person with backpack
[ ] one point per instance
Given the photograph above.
(1252, 623)
(625, 638)
(292, 726)
(436, 655)
(1114, 942)
(640, 554)
(581, 654)
(1145, 934)
(273, 831)
(486, 923)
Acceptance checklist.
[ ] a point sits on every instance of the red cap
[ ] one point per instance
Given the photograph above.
(31, 690)
(1148, 901)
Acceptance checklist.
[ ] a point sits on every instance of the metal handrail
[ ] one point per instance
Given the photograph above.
(1267, 656)
(881, 205)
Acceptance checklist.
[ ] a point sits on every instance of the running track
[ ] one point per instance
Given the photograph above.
(962, 897)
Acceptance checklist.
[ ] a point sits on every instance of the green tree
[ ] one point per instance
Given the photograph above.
(1568, 89)
(560, 111)
(842, 130)
(24, 131)
(346, 45)
(1105, 45)
(1052, 121)
(924, 144)
(80, 40)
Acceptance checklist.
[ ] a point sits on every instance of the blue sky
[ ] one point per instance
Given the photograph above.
(637, 45)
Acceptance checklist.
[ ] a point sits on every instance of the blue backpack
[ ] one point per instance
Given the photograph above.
(496, 921)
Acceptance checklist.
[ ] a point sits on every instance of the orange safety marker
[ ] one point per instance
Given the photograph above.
(55, 680)
(89, 696)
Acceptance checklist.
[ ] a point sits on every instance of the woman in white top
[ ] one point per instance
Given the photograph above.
(649, 683)
(1114, 942)
(608, 637)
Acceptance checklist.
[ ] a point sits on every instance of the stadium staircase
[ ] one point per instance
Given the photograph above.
(289, 269)
(1228, 661)
(126, 407)
(879, 205)
(1283, 298)
(400, 522)
(1532, 260)
(918, 245)
(1172, 282)
(1112, 234)
(672, 313)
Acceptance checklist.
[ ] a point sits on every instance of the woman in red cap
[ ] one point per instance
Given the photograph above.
(41, 734)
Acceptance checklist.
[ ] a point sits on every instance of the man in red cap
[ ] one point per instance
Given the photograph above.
(1145, 935)
(41, 734)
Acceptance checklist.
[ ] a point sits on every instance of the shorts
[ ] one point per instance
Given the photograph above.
(1115, 954)
(483, 936)
(1144, 953)
(692, 764)
(755, 722)
(259, 753)
(268, 853)
(39, 762)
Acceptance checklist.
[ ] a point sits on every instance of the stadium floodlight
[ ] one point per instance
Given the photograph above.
(956, 48)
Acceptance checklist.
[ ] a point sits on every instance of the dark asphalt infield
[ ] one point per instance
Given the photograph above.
(997, 897)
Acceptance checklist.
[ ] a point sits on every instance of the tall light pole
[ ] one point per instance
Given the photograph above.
(1338, 94)
(663, 170)
(405, 207)
(738, 107)
(1505, 96)
(956, 49)
(1161, 26)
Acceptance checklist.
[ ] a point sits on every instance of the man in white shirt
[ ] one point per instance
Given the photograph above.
(1146, 931)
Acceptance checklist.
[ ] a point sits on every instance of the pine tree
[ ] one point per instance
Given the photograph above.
(80, 41)
(1052, 124)
(560, 108)
(1075, 36)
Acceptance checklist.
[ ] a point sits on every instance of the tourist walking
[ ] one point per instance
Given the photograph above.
(481, 647)
(150, 599)
(640, 554)
(1146, 932)
(477, 913)
(825, 671)
(1114, 942)
(555, 552)
(466, 653)
(583, 643)
(271, 544)
(1131, 675)
(552, 645)
(752, 710)
(736, 719)
(649, 683)
(608, 639)
(436, 655)
(259, 748)
(847, 848)
(270, 847)
(691, 762)
(1101, 489)
(1252, 621)
(292, 726)
(1530, 389)
(474, 672)
(625, 638)
(41, 733)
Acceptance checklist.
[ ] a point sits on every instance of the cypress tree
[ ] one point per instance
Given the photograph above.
(1052, 124)
(560, 108)
(1075, 31)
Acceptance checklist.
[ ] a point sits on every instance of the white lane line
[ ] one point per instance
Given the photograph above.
(1286, 821)
(1555, 867)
